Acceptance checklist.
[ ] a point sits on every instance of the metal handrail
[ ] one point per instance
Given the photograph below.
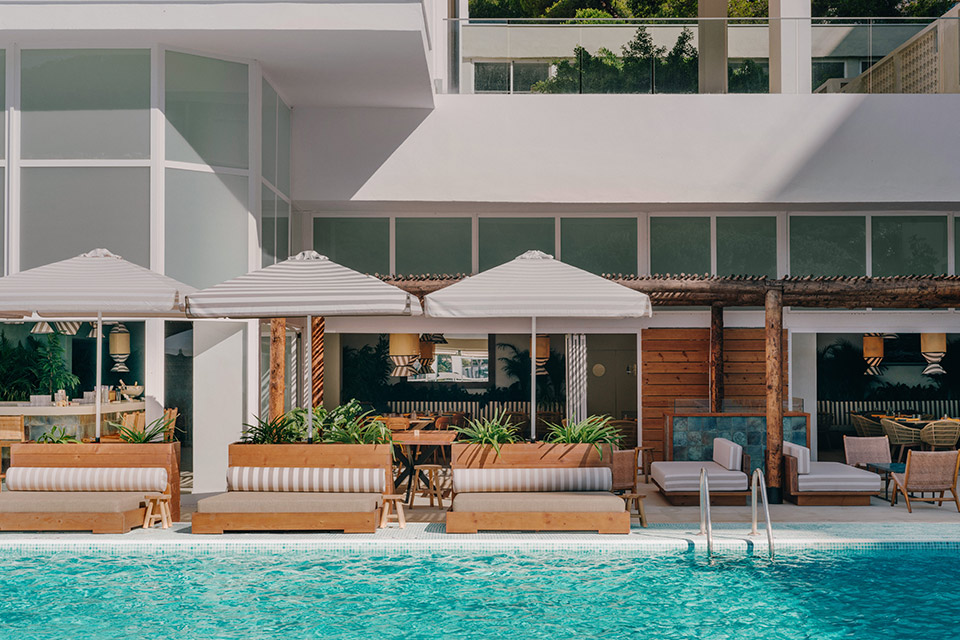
(706, 526)
(757, 482)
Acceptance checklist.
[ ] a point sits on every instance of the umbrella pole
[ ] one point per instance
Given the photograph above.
(533, 378)
(97, 393)
(309, 360)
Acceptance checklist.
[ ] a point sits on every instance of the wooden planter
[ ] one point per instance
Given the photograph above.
(530, 454)
(301, 454)
(113, 454)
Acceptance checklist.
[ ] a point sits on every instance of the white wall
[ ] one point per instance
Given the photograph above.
(663, 149)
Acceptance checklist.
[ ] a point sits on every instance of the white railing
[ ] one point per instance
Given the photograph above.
(706, 526)
(757, 485)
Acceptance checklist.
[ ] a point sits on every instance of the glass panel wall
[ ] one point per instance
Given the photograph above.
(433, 245)
(747, 246)
(828, 245)
(85, 103)
(600, 245)
(268, 226)
(359, 243)
(284, 115)
(3, 101)
(679, 245)
(909, 245)
(66, 211)
(268, 134)
(503, 239)
(275, 177)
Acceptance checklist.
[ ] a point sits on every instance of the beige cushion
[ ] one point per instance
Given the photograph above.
(685, 476)
(148, 479)
(533, 480)
(288, 502)
(552, 502)
(727, 453)
(835, 476)
(69, 501)
(802, 454)
(325, 479)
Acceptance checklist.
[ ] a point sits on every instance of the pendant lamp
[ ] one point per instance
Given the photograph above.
(119, 343)
(872, 354)
(68, 328)
(543, 353)
(41, 328)
(933, 346)
(428, 349)
(404, 351)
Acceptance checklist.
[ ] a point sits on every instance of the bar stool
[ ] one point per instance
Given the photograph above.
(432, 489)
(158, 510)
(644, 459)
(395, 502)
(637, 500)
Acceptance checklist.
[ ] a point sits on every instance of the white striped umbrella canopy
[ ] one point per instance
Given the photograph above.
(308, 284)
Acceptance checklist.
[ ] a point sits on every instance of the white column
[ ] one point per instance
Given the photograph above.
(790, 46)
(803, 378)
(712, 45)
(153, 381)
(218, 400)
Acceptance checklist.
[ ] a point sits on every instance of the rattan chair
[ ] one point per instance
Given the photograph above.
(941, 434)
(901, 436)
(860, 452)
(927, 471)
(628, 432)
(865, 427)
(170, 420)
(398, 424)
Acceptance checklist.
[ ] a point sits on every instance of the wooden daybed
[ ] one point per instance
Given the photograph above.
(533, 487)
(309, 487)
(727, 474)
(808, 483)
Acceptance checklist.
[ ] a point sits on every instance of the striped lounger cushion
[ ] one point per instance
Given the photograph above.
(533, 480)
(147, 479)
(316, 479)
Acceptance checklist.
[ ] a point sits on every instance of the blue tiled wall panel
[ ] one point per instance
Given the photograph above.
(693, 435)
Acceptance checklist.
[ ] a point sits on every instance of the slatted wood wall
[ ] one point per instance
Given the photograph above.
(675, 366)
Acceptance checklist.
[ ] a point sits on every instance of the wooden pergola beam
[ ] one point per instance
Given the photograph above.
(716, 358)
(773, 312)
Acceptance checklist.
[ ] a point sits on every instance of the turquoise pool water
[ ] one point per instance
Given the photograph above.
(299, 594)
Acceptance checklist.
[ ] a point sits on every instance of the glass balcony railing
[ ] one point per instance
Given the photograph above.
(720, 55)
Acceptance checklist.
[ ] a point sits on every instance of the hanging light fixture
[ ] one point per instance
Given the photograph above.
(41, 328)
(404, 351)
(873, 354)
(543, 353)
(933, 346)
(120, 348)
(93, 331)
(428, 350)
(68, 328)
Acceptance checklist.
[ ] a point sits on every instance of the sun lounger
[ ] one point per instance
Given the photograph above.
(825, 483)
(679, 480)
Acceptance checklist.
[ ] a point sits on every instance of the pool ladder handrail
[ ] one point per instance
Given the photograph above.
(706, 526)
(758, 484)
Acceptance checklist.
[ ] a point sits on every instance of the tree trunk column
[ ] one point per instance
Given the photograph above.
(716, 358)
(774, 375)
(316, 360)
(278, 348)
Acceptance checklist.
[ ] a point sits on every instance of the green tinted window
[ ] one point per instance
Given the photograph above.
(747, 246)
(600, 245)
(828, 245)
(503, 239)
(679, 245)
(909, 245)
(268, 226)
(359, 243)
(3, 103)
(284, 114)
(433, 245)
(491, 77)
(268, 134)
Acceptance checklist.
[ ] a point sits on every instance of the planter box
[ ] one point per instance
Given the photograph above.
(529, 455)
(357, 456)
(113, 454)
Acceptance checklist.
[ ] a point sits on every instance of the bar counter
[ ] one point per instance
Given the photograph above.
(76, 419)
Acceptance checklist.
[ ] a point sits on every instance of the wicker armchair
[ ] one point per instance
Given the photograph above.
(927, 471)
(865, 427)
(901, 436)
(860, 452)
(942, 433)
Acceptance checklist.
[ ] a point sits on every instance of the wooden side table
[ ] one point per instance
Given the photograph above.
(637, 500)
(395, 502)
(644, 460)
(433, 483)
(158, 510)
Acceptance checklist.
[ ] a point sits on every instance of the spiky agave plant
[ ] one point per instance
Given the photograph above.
(595, 430)
(280, 430)
(494, 432)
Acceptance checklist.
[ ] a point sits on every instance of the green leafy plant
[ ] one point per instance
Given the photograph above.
(280, 430)
(356, 432)
(150, 433)
(18, 369)
(350, 414)
(51, 367)
(57, 435)
(494, 432)
(595, 430)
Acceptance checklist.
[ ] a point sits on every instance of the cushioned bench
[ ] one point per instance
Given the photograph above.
(679, 480)
(825, 483)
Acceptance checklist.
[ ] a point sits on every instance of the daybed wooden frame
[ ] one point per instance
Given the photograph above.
(166, 455)
(533, 455)
(717, 498)
(793, 494)
(306, 455)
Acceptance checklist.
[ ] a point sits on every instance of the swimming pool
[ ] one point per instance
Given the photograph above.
(877, 594)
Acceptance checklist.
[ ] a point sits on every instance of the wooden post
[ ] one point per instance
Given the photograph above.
(716, 358)
(774, 376)
(317, 361)
(278, 347)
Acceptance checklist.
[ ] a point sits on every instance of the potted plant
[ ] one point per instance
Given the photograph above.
(57, 435)
(595, 430)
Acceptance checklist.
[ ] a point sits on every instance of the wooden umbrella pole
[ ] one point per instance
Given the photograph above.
(533, 378)
(319, 329)
(716, 358)
(774, 379)
(278, 342)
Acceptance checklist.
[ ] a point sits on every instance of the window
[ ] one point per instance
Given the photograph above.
(66, 211)
(491, 77)
(828, 245)
(460, 360)
(503, 239)
(359, 243)
(679, 245)
(433, 245)
(268, 134)
(3, 101)
(866, 64)
(600, 245)
(909, 245)
(85, 103)
(206, 107)
(747, 246)
(527, 74)
(825, 70)
(268, 226)
(748, 76)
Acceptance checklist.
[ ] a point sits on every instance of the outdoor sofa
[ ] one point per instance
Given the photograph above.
(806, 482)
(679, 480)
